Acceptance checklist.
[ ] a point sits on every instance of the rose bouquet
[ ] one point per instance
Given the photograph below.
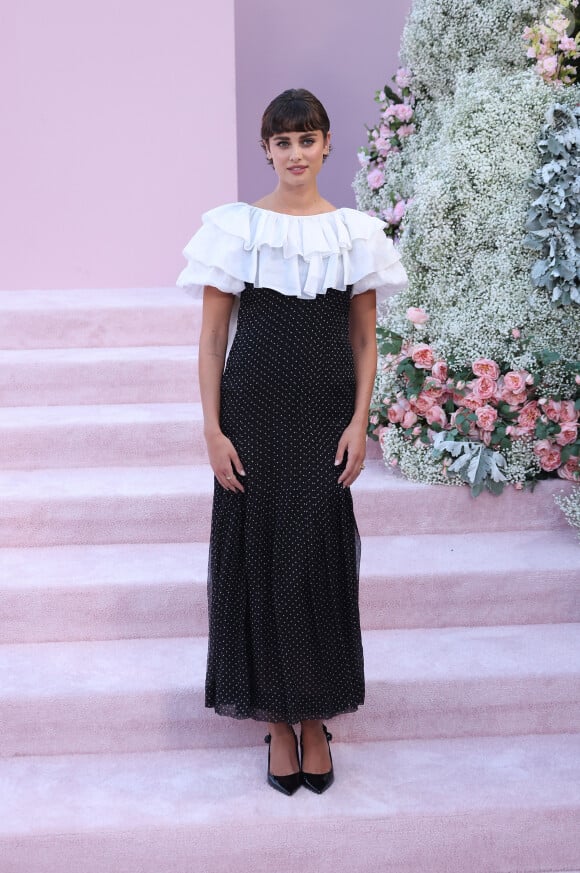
(469, 417)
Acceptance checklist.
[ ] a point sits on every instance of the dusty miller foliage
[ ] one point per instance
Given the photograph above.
(554, 218)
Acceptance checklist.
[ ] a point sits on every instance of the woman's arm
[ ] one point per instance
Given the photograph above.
(213, 342)
(364, 347)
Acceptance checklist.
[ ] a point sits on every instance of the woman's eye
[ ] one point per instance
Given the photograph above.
(308, 141)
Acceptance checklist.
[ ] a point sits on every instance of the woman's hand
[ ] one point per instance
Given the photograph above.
(224, 461)
(353, 441)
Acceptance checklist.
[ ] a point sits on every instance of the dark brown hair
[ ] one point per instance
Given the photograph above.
(292, 110)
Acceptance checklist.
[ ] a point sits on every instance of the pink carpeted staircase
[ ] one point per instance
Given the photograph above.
(466, 756)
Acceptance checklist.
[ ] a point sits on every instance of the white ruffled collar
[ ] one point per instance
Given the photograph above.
(298, 255)
(322, 234)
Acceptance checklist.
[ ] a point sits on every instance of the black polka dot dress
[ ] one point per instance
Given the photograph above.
(283, 586)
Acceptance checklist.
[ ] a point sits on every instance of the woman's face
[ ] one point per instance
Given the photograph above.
(297, 155)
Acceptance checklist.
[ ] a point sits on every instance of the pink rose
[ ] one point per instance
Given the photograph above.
(570, 470)
(528, 416)
(422, 403)
(567, 44)
(436, 415)
(567, 411)
(375, 178)
(439, 370)
(542, 448)
(483, 388)
(407, 129)
(486, 367)
(560, 24)
(551, 460)
(513, 400)
(548, 66)
(389, 216)
(382, 144)
(403, 77)
(434, 388)
(568, 433)
(549, 455)
(472, 402)
(552, 409)
(516, 333)
(417, 315)
(485, 437)
(515, 381)
(395, 413)
(422, 356)
(486, 417)
(399, 210)
(409, 418)
(400, 111)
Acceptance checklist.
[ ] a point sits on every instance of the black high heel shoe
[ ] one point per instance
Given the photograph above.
(318, 782)
(286, 784)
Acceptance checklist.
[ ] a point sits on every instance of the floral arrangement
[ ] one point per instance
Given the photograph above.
(478, 374)
(554, 44)
(445, 38)
(386, 138)
(470, 416)
(553, 222)
(462, 240)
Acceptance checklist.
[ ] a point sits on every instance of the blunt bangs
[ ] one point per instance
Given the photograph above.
(294, 110)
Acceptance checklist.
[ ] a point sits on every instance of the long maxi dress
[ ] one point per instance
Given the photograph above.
(283, 582)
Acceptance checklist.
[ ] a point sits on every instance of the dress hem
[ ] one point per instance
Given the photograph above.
(324, 715)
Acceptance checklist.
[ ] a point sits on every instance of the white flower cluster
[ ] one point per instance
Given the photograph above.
(463, 236)
(443, 38)
(416, 462)
(570, 506)
(522, 465)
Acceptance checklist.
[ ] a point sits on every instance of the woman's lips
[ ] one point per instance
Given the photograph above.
(297, 170)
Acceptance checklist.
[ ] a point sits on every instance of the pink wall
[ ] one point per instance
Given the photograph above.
(117, 129)
(343, 52)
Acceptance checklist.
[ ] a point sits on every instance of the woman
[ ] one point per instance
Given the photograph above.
(285, 425)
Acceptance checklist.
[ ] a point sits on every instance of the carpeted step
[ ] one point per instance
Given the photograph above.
(99, 435)
(98, 317)
(94, 435)
(172, 504)
(148, 695)
(139, 374)
(159, 589)
(477, 805)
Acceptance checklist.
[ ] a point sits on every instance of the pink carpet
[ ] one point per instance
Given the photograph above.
(466, 756)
